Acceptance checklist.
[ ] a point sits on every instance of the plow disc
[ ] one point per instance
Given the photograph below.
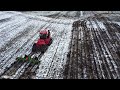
(29, 59)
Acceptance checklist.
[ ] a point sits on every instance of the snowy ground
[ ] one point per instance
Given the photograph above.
(94, 25)
(65, 14)
(19, 30)
(41, 13)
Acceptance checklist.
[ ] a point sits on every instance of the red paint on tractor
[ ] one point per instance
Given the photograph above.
(43, 42)
(44, 38)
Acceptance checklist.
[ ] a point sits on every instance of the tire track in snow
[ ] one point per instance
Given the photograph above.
(101, 68)
(9, 33)
(23, 30)
(14, 21)
(106, 59)
(56, 69)
(50, 73)
(46, 62)
(112, 63)
(47, 59)
(5, 15)
(5, 20)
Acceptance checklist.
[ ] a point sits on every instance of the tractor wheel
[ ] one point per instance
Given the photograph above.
(36, 58)
(50, 42)
(43, 48)
(34, 48)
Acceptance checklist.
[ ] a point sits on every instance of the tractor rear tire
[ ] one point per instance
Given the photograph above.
(43, 48)
(34, 48)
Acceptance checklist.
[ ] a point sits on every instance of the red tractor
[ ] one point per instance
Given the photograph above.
(43, 42)
(40, 46)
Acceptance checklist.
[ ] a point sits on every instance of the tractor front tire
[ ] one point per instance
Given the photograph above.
(50, 42)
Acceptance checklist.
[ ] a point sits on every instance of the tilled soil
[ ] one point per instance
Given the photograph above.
(94, 52)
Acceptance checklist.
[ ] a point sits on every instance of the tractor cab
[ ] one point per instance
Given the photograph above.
(40, 45)
(44, 34)
(43, 41)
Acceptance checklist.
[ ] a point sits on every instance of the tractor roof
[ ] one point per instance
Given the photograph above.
(45, 31)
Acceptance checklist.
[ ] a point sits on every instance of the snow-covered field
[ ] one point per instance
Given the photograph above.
(65, 14)
(19, 33)
(42, 13)
(19, 30)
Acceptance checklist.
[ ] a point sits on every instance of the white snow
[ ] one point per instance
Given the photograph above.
(1, 12)
(13, 21)
(88, 24)
(81, 13)
(41, 13)
(91, 26)
(5, 34)
(6, 77)
(101, 25)
(5, 15)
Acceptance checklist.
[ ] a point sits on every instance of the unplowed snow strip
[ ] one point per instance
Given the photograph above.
(53, 52)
